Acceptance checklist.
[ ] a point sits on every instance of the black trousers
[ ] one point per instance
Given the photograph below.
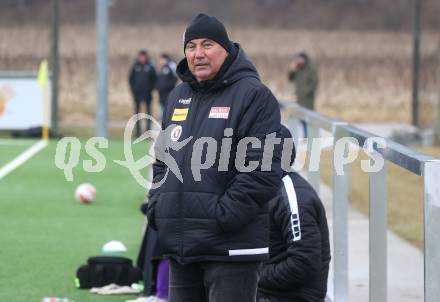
(163, 95)
(137, 109)
(214, 282)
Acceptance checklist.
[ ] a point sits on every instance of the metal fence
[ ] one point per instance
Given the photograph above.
(414, 162)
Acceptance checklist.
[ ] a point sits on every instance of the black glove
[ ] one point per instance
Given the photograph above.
(144, 208)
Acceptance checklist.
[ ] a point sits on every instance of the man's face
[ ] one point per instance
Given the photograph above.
(300, 60)
(205, 57)
(142, 58)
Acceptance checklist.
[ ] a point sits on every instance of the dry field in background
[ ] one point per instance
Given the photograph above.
(404, 193)
(364, 76)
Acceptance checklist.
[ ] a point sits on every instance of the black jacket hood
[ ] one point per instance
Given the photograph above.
(235, 67)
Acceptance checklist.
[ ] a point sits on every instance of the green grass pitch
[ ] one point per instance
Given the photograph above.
(45, 235)
(10, 149)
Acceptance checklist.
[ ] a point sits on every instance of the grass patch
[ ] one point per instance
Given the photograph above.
(85, 132)
(46, 234)
(10, 149)
(405, 195)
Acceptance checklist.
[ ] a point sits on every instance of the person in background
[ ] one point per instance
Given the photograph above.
(299, 243)
(142, 80)
(305, 76)
(166, 78)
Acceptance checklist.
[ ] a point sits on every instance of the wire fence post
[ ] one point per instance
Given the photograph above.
(431, 174)
(378, 234)
(55, 60)
(340, 228)
(101, 67)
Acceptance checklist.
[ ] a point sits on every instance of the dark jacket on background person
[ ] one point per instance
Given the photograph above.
(148, 259)
(223, 217)
(306, 84)
(299, 245)
(142, 80)
(149, 256)
(166, 81)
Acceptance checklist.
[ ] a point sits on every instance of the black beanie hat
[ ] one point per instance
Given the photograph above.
(204, 26)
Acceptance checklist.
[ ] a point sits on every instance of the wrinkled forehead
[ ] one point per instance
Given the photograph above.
(199, 41)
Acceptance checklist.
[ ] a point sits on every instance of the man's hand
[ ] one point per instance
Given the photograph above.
(293, 65)
(144, 208)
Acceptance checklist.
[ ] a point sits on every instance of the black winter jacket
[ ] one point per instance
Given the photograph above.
(166, 81)
(166, 77)
(224, 215)
(142, 80)
(148, 260)
(299, 245)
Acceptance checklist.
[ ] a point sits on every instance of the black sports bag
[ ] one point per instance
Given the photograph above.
(103, 270)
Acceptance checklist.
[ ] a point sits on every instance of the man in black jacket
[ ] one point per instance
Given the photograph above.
(299, 243)
(212, 214)
(142, 80)
(166, 78)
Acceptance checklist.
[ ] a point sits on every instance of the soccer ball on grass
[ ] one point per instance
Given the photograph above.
(85, 193)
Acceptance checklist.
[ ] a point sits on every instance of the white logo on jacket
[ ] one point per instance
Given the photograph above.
(176, 133)
(185, 101)
(219, 112)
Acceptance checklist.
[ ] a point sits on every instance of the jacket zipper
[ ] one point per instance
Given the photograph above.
(195, 108)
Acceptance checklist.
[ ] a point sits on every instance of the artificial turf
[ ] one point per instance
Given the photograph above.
(45, 235)
(9, 149)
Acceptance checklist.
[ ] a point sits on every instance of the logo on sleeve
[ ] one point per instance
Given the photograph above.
(179, 114)
(176, 133)
(219, 112)
(185, 101)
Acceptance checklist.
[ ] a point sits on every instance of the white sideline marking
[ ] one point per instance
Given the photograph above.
(22, 158)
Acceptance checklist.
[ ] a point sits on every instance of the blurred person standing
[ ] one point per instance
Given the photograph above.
(166, 78)
(304, 73)
(299, 243)
(215, 227)
(142, 80)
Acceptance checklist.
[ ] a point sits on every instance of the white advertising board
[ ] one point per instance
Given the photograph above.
(21, 103)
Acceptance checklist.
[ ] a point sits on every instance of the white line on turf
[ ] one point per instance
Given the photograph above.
(22, 158)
